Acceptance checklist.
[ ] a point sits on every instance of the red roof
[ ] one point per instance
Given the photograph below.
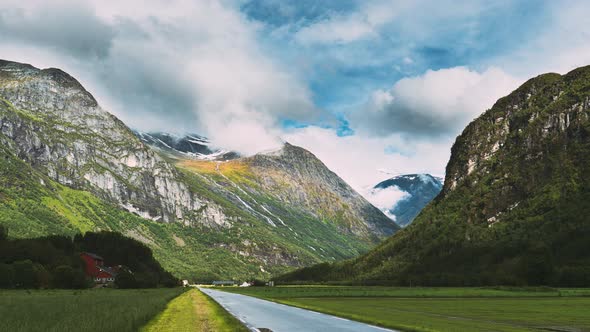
(95, 256)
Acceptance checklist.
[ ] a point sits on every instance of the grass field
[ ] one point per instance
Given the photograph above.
(443, 309)
(194, 311)
(86, 310)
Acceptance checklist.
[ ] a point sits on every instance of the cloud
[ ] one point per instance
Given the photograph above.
(363, 161)
(349, 27)
(73, 29)
(165, 65)
(436, 103)
(559, 45)
(385, 199)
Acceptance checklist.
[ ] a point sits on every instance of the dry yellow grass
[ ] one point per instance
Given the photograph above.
(209, 167)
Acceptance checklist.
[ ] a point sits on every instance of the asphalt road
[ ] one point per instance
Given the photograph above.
(258, 314)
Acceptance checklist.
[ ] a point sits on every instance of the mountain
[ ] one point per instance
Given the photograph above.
(416, 191)
(188, 146)
(514, 205)
(69, 166)
(290, 185)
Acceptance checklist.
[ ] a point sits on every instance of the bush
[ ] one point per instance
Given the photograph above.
(3, 233)
(257, 282)
(125, 280)
(65, 276)
(24, 274)
(6, 276)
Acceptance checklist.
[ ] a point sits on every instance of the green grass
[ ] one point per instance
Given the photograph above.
(88, 310)
(378, 291)
(442, 309)
(194, 311)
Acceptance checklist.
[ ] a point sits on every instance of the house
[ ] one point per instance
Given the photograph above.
(96, 269)
(106, 275)
(93, 262)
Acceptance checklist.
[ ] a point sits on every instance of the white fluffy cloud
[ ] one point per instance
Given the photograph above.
(386, 198)
(436, 103)
(560, 46)
(364, 161)
(167, 65)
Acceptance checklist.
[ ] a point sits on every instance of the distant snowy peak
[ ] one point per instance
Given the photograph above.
(403, 197)
(188, 146)
(408, 182)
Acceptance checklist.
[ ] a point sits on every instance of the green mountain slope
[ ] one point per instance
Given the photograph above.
(69, 166)
(514, 207)
(291, 185)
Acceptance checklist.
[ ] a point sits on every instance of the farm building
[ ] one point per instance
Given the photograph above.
(96, 269)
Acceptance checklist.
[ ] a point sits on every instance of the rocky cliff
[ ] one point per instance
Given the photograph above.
(57, 126)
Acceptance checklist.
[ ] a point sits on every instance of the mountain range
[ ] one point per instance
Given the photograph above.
(514, 206)
(69, 166)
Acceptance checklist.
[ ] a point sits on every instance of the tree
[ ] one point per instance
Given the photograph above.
(125, 279)
(65, 276)
(6, 276)
(42, 276)
(24, 274)
(3, 233)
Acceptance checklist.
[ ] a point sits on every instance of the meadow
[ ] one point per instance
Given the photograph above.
(442, 309)
(81, 310)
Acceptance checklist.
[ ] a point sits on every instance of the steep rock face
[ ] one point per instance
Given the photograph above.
(419, 190)
(315, 188)
(58, 126)
(514, 206)
(513, 150)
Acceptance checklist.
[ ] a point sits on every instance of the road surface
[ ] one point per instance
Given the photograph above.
(258, 314)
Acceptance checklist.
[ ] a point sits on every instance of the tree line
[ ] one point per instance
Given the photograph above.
(54, 261)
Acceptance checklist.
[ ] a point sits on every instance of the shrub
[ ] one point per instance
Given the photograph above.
(126, 279)
(65, 276)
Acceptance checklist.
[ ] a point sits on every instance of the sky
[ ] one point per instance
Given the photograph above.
(374, 88)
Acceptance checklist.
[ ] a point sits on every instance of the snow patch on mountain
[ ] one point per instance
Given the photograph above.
(190, 146)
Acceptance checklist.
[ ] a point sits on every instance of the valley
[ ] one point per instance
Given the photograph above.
(287, 166)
